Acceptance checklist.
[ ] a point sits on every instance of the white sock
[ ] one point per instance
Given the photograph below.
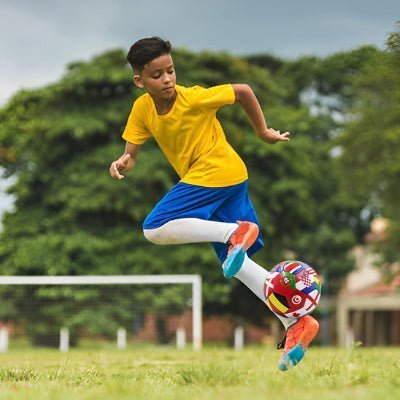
(190, 230)
(253, 276)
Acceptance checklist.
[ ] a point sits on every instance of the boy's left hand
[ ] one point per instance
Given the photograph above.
(272, 136)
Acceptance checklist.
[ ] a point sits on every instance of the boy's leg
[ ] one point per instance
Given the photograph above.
(190, 230)
(299, 332)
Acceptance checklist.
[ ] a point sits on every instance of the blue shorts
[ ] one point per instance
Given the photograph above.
(225, 204)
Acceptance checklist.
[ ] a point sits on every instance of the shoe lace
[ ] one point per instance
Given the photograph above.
(281, 344)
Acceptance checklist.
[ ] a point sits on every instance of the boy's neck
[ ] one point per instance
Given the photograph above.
(164, 106)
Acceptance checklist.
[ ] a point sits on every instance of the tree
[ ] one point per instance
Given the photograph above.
(371, 143)
(72, 218)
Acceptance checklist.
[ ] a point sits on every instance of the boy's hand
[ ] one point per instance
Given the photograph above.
(119, 166)
(272, 136)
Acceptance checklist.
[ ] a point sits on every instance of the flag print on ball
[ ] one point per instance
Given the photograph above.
(292, 289)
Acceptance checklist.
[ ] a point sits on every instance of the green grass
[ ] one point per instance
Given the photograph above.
(215, 374)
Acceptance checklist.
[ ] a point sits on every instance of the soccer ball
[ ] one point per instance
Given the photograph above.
(292, 289)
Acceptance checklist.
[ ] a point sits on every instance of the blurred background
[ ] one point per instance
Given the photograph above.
(326, 72)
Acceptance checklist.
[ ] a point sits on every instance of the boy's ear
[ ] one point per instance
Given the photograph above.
(138, 81)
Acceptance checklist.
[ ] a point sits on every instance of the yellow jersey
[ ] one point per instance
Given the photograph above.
(190, 135)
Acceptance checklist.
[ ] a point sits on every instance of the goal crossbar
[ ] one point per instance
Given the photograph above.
(194, 280)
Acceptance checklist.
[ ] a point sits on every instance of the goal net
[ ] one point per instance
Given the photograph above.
(73, 310)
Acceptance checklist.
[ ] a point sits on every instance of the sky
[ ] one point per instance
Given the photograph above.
(40, 37)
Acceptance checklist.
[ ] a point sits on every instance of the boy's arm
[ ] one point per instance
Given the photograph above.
(126, 162)
(248, 100)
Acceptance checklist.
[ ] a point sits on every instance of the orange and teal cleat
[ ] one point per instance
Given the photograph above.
(239, 242)
(297, 339)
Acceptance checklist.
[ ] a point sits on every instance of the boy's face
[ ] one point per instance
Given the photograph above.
(158, 78)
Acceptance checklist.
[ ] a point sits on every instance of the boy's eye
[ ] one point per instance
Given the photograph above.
(157, 75)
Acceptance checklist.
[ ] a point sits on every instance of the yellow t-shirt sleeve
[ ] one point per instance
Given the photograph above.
(135, 130)
(213, 97)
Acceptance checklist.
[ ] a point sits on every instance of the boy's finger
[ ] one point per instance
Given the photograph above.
(125, 158)
(115, 172)
(119, 176)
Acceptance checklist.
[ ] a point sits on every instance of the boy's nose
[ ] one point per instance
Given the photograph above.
(167, 78)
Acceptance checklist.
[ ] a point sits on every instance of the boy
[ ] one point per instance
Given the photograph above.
(210, 203)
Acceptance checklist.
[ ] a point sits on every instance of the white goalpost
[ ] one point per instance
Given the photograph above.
(104, 280)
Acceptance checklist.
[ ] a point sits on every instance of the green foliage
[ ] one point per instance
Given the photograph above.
(336, 74)
(71, 218)
(371, 141)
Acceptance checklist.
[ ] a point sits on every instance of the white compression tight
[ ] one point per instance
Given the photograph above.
(190, 230)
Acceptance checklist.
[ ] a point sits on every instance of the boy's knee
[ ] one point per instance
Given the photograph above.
(154, 235)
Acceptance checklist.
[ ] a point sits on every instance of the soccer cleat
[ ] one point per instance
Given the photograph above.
(244, 236)
(298, 337)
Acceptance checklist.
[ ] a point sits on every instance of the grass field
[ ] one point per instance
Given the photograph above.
(210, 374)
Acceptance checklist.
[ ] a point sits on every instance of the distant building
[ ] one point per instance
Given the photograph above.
(368, 307)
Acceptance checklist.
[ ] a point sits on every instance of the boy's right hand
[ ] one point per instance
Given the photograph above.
(119, 166)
